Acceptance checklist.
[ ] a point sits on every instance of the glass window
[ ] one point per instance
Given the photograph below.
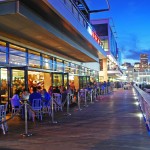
(46, 62)
(34, 59)
(17, 55)
(60, 67)
(77, 69)
(3, 52)
(3, 85)
(67, 66)
(105, 44)
(73, 68)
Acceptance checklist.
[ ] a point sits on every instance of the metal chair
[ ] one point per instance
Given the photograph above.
(15, 104)
(46, 107)
(37, 107)
(57, 101)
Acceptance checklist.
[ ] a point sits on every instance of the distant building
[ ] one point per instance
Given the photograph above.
(143, 62)
(127, 64)
(136, 66)
(129, 73)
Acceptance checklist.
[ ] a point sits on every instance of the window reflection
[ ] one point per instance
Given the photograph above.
(17, 55)
(59, 65)
(34, 59)
(2, 52)
(46, 62)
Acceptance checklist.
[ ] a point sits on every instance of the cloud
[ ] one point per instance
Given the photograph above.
(131, 48)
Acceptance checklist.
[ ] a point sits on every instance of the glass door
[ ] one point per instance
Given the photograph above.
(60, 79)
(17, 80)
(57, 79)
(66, 80)
(3, 85)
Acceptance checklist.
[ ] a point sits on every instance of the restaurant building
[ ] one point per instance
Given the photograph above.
(46, 43)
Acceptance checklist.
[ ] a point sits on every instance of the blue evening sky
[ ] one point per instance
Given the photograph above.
(132, 24)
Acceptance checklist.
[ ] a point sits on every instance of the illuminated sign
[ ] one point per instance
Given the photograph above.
(94, 35)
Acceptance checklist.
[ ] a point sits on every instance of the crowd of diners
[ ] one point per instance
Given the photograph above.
(46, 95)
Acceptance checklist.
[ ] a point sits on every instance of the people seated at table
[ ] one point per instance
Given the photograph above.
(64, 94)
(69, 90)
(45, 97)
(34, 95)
(39, 89)
(15, 100)
(56, 90)
(25, 94)
(88, 88)
(50, 90)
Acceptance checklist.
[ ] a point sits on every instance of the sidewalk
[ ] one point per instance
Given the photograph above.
(109, 124)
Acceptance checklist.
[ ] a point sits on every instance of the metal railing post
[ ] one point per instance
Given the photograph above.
(85, 104)
(91, 95)
(68, 103)
(95, 93)
(79, 108)
(26, 121)
(53, 121)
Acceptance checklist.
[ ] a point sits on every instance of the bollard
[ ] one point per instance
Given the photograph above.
(79, 108)
(85, 104)
(53, 121)
(26, 134)
(91, 95)
(95, 94)
(68, 103)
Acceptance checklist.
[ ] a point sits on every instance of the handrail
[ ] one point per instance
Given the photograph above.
(144, 102)
(145, 95)
(12, 116)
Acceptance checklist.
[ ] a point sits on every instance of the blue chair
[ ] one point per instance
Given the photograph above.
(37, 108)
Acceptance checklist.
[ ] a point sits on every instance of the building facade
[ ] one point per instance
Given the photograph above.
(46, 43)
(110, 66)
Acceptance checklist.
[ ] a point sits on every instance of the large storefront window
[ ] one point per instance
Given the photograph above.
(2, 52)
(73, 68)
(17, 55)
(77, 69)
(34, 59)
(46, 62)
(67, 66)
(39, 79)
(60, 65)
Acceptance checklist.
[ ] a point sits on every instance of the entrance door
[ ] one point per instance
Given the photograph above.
(18, 79)
(66, 80)
(3, 85)
(83, 80)
(59, 79)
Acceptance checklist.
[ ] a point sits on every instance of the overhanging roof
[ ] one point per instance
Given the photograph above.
(22, 24)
